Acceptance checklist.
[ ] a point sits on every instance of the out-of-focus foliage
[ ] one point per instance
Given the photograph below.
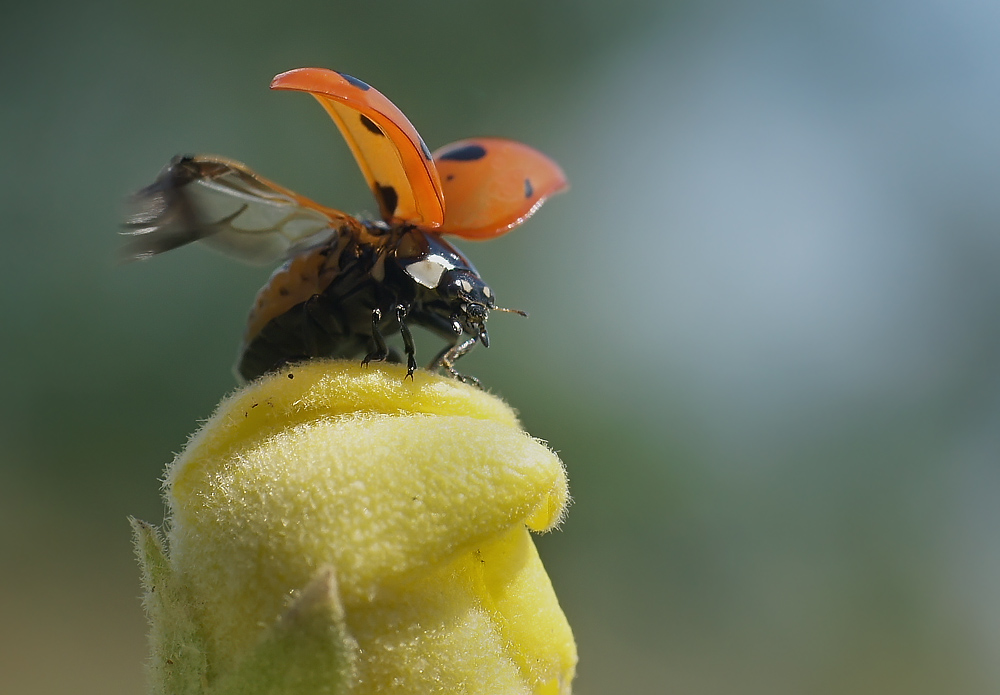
(764, 334)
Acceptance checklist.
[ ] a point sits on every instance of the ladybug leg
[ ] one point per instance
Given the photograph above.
(436, 362)
(319, 312)
(318, 320)
(411, 360)
(449, 330)
(381, 351)
(448, 356)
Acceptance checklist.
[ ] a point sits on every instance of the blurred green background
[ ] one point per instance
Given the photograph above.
(764, 334)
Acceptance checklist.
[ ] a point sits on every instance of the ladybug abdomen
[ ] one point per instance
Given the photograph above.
(302, 277)
(319, 304)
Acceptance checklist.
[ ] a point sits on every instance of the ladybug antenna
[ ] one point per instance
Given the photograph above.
(511, 311)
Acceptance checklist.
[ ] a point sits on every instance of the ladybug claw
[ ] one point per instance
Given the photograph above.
(466, 379)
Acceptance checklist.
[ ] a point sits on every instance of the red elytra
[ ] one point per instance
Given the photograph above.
(493, 186)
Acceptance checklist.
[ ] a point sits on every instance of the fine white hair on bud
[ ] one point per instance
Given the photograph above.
(337, 529)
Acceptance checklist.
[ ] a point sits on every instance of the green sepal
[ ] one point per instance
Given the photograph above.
(178, 663)
(307, 651)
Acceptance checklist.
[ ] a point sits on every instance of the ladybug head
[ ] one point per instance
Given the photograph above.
(470, 301)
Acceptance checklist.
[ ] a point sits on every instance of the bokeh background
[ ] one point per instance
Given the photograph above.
(764, 334)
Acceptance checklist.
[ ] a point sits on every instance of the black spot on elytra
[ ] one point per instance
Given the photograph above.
(283, 291)
(370, 125)
(528, 189)
(355, 81)
(425, 150)
(466, 153)
(389, 198)
(449, 177)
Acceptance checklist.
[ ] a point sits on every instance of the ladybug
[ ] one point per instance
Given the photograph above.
(347, 282)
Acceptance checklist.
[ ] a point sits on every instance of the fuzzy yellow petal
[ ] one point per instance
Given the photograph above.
(416, 493)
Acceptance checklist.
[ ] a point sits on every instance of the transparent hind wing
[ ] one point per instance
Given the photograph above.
(226, 206)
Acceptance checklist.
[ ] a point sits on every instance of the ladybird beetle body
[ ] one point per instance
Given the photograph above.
(343, 297)
(347, 283)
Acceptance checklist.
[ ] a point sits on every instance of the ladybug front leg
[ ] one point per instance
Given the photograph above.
(447, 357)
(411, 359)
(381, 351)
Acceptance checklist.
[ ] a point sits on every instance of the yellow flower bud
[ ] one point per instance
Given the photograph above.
(340, 529)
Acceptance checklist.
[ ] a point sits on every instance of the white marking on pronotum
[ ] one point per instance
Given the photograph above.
(428, 271)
